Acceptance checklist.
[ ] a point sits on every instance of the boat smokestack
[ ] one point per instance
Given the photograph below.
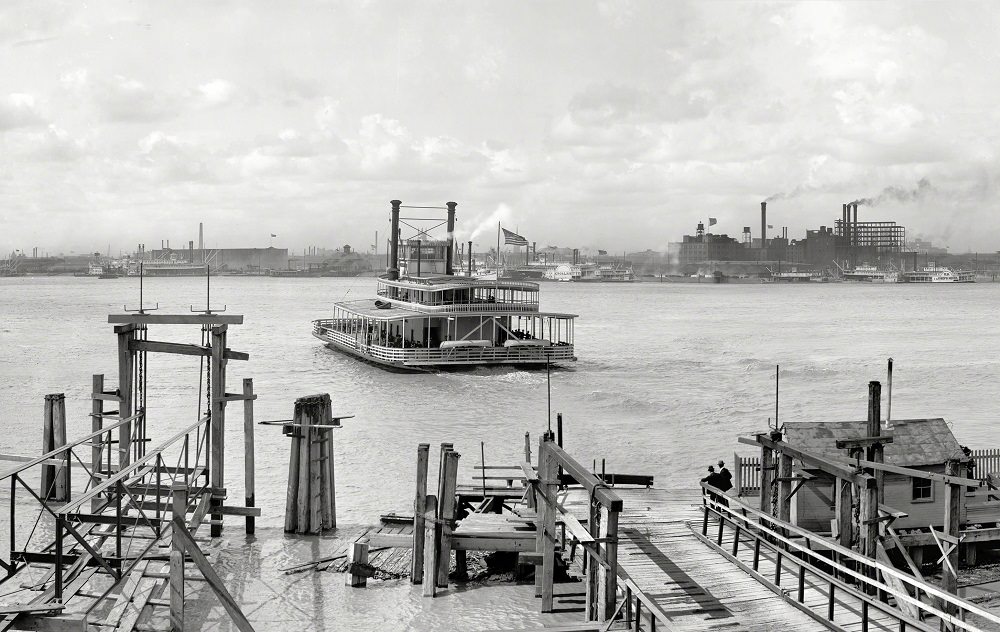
(449, 256)
(763, 224)
(393, 271)
(470, 258)
(201, 240)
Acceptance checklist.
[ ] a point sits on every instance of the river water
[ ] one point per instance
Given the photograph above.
(668, 375)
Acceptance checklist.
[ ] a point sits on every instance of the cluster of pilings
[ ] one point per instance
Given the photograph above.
(311, 503)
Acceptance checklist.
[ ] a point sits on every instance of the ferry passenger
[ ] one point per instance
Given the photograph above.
(725, 477)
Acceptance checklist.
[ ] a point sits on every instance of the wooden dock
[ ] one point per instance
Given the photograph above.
(689, 584)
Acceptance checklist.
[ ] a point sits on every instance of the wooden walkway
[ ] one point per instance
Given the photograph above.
(691, 585)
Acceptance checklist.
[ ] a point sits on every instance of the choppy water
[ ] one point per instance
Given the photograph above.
(668, 375)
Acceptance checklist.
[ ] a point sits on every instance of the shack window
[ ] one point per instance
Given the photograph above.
(923, 490)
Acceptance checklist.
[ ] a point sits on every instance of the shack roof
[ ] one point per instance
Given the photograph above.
(915, 442)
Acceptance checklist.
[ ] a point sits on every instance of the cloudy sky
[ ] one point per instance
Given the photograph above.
(611, 124)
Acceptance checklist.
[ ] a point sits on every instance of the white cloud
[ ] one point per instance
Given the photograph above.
(216, 92)
(19, 110)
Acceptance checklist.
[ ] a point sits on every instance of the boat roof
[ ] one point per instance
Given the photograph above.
(366, 307)
(455, 282)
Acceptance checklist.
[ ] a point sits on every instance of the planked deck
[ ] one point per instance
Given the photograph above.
(693, 586)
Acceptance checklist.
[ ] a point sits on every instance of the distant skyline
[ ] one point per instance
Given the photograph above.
(611, 124)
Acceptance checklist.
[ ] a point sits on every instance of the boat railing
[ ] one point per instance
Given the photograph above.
(328, 330)
(484, 306)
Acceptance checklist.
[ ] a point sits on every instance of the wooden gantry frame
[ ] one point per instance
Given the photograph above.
(169, 488)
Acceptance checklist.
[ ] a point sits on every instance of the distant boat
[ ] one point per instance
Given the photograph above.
(871, 274)
(938, 274)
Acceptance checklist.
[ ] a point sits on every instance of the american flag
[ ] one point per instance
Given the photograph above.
(510, 238)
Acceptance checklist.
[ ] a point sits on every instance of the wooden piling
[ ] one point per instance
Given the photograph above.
(607, 576)
(430, 546)
(55, 484)
(126, 375)
(876, 451)
(845, 515)
(248, 450)
(358, 577)
(446, 515)
(419, 501)
(310, 503)
(179, 494)
(767, 471)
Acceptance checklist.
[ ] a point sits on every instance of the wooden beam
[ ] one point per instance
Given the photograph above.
(199, 559)
(249, 469)
(176, 319)
(591, 483)
(419, 500)
(43, 623)
(912, 473)
(862, 442)
(811, 460)
(177, 348)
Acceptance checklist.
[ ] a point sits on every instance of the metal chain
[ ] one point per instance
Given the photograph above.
(208, 383)
(855, 532)
(774, 497)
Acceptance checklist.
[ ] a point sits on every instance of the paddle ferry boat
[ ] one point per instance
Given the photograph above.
(937, 274)
(870, 274)
(426, 317)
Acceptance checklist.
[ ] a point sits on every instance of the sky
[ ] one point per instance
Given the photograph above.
(611, 124)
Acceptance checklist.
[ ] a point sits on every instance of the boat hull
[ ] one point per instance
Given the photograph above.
(437, 359)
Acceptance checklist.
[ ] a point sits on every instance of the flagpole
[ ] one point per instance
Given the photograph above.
(498, 251)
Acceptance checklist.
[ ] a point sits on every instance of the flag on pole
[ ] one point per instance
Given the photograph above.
(510, 238)
(602, 252)
(769, 226)
(712, 221)
(273, 235)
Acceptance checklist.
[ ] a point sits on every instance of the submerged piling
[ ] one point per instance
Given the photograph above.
(310, 500)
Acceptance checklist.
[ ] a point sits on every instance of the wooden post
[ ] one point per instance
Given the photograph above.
(55, 479)
(442, 461)
(876, 451)
(329, 473)
(784, 487)
(359, 559)
(179, 496)
(217, 424)
(430, 546)
(590, 566)
(607, 578)
(292, 494)
(419, 500)
(868, 537)
(845, 516)
(547, 525)
(96, 423)
(952, 514)
(446, 515)
(767, 470)
(248, 450)
(126, 357)
(310, 504)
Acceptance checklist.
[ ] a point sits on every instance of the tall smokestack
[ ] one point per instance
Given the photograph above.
(201, 241)
(763, 224)
(191, 251)
(393, 271)
(854, 234)
(448, 259)
(470, 258)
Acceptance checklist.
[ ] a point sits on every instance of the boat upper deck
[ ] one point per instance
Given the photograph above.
(368, 308)
(446, 293)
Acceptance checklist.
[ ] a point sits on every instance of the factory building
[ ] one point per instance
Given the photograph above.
(245, 260)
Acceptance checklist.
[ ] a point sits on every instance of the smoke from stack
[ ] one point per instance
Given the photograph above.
(899, 194)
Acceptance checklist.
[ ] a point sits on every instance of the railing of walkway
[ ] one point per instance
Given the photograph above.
(863, 578)
(113, 500)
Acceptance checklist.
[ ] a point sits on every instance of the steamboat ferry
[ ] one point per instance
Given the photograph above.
(937, 274)
(871, 274)
(425, 316)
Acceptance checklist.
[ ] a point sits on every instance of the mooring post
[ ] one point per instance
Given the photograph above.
(55, 484)
(179, 496)
(446, 515)
(292, 492)
(430, 546)
(419, 501)
(607, 577)
(329, 474)
(218, 426)
(358, 577)
(876, 451)
(248, 450)
(310, 504)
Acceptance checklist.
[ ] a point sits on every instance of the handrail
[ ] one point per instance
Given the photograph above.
(930, 589)
(126, 471)
(69, 446)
